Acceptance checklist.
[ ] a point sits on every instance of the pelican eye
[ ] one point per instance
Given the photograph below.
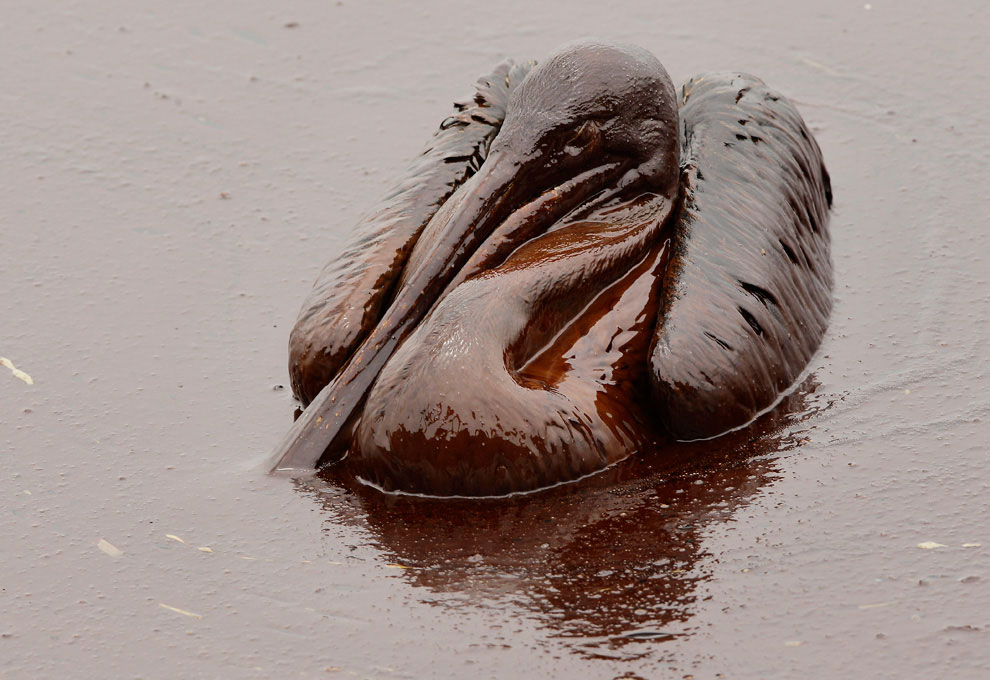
(585, 135)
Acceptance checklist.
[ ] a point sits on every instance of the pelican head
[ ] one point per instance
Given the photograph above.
(594, 120)
(592, 102)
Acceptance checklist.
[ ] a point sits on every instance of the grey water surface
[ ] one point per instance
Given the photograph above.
(174, 175)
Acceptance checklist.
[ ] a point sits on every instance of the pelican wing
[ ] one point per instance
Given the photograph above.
(747, 295)
(354, 289)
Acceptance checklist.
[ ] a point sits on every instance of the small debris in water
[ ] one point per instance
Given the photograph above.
(876, 605)
(930, 545)
(793, 643)
(180, 611)
(205, 549)
(398, 566)
(174, 538)
(109, 548)
(18, 373)
(972, 545)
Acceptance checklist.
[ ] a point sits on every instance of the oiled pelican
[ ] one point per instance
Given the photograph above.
(577, 267)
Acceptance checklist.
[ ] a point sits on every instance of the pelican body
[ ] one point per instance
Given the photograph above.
(581, 265)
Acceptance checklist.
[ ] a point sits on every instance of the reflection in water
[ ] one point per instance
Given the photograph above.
(606, 563)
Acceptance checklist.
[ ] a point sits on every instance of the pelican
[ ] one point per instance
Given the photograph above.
(580, 266)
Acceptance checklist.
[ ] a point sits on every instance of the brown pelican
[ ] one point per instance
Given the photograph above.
(580, 266)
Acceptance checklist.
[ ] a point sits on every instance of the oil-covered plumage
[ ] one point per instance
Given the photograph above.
(566, 277)
(350, 295)
(748, 292)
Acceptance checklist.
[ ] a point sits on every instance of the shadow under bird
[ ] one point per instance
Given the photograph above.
(579, 267)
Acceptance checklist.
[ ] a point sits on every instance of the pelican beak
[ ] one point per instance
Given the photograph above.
(503, 190)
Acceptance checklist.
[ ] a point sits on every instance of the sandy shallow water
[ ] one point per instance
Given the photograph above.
(174, 176)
